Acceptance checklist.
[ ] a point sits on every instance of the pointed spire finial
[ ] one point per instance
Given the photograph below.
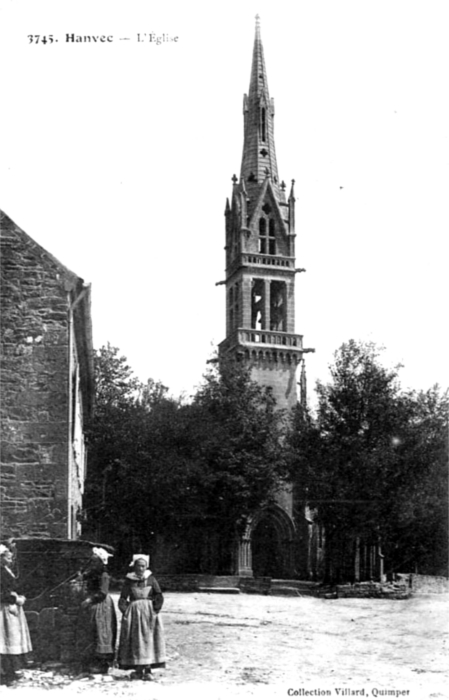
(257, 38)
(292, 191)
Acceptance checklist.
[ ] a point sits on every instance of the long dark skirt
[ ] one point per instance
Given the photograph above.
(97, 632)
(142, 640)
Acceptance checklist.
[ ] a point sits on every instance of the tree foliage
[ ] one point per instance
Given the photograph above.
(239, 441)
(373, 462)
(114, 437)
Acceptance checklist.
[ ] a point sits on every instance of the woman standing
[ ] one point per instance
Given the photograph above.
(14, 635)
(142, 643)
(97, 623)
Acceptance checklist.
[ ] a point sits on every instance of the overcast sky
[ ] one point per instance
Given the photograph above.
(117, 157)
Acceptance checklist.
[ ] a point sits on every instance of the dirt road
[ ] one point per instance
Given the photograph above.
(233, 646)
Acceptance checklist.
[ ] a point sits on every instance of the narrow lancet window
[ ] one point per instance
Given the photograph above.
(271, 238)
(263, 236)
(263, 125)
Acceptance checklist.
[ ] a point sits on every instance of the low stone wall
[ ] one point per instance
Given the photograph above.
(373, 589)
(426, 585)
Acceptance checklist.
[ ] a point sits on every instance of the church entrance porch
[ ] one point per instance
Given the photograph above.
(267, 547)
(267, 551)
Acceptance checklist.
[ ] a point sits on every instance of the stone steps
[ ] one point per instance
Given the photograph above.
(293, 587)
(217, 589)
(284, 591)
(207, 581)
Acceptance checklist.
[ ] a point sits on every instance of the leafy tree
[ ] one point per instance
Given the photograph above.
(416, 533)
(116, 449)
(239, 438)
(115, 383)
(373, 461)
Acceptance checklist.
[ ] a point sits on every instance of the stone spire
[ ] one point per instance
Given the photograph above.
(259, 156)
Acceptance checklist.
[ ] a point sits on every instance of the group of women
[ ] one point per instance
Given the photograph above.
(141, 645)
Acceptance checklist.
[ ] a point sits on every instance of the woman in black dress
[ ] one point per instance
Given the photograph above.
(97, 622)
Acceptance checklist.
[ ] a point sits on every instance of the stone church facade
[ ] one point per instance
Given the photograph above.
(260, 319)
(47, 389)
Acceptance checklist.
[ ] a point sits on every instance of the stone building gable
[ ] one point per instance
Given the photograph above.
(46, 352)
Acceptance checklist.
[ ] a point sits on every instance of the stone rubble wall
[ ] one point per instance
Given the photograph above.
(34, 376)
(50, 576)
(374, 589)
(421, 584)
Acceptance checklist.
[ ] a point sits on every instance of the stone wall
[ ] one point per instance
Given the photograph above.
(425, 585)
(37, 361)
(50, 576)
(373, 589)
(281, 377)
(404, 586)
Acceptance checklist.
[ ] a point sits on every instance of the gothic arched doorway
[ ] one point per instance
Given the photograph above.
(272, 537)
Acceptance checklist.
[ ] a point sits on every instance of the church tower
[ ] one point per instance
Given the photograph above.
(260, 251)
(260, 298)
